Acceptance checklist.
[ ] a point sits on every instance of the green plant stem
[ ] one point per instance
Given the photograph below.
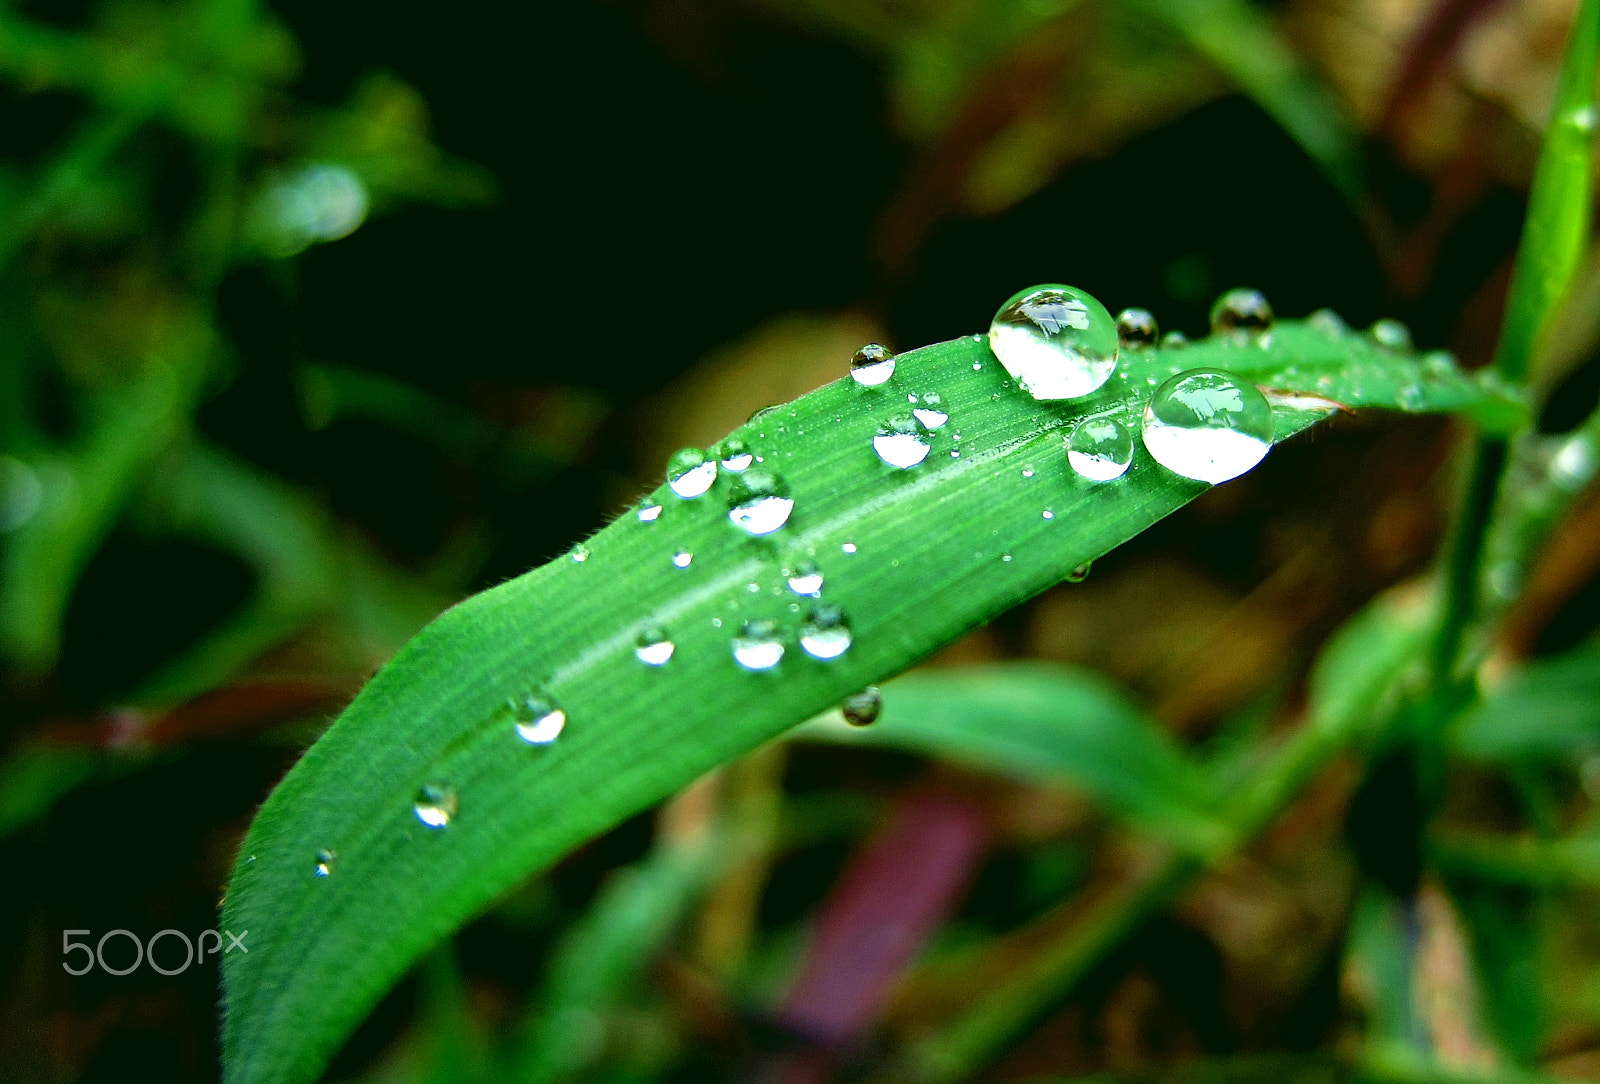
(1465, 555)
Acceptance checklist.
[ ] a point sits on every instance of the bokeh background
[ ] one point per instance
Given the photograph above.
(315, 318)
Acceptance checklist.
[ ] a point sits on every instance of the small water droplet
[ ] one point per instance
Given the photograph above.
(1208, 425)
(1391, 335)
(1328, 323)
(1100, 448)
(1081, 573)
(1439, 364)
(324, 863)
(538, 719)
(976, 366)
(735, 454)
(1027, 472)
(435, 804)
(1005, 558)
(902, 442)
(1174, 340)
(649, 510)
(1136, 329)
(825, 633)
(862, 708)
(759, 501)
(1047, 514)
(761, 412)
(683, 559)
(1410, 397)
(753, 587)
(1242, 316)
(1574, 464)
(580, 553)
(690, 473)
(872, 365)
(848, 547)
(805, 579)
(1057, 342)
(931, 413)
(654, 647)
(758, 645)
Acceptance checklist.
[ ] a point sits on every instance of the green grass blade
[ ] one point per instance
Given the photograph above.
(1548, 711)
(916, 558)
(1046, 722)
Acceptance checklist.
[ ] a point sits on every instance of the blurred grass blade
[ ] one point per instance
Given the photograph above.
(1550, 710)
(1504, 925)
(1045, 722)
(915, 557)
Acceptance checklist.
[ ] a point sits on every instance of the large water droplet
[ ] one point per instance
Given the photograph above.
(1241, 316)
(759, 501)
(826, 632)
(1136, 329)
(759, 645)
(862, 708)
(1055, 341)
(690, 473)
(805, 578)
(1100, 448)
(1208, 425)
(1391, 335)
(736, 455)
(682, 559)
(654, 647)
(931, 412)
(902, 442)
(649, 510)
(538, 718)
(872, 365)
(435, 804)
(323, 864)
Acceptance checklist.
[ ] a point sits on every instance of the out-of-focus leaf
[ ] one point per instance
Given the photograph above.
(1045, 722)
(1550, 709)
(1378, 951)
(1507, 934)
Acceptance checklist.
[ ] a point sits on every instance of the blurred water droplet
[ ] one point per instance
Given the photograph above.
(654, 647)
(690, 473)
(1174, 340)
(1391, 335)
(735, 454)
(872, 365)
(1005, 558)
(1574, 463)
(758, 645)
(805, 579)
(21, 493)
(1100, 448)
(683, 559)
(323, 863)
(1328, 323)
(1242, 316)
(1057, 342)
(1439, 364)
(435, 804)
(902, 442)
(1410, 397)
(1208, 425)
(825, 634)
(931, 412)
(649, 510)
(1081, 573)
(759, 501)
(862, 708)
(1137, 329)
(538, 719)
(306, 205)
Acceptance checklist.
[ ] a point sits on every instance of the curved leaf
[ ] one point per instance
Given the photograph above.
(916, 557)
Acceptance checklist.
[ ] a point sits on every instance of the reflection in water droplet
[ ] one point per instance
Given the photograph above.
(649, 510)
(1081, 573)
(1208, 425)
(826, 632)
(1057, 342)
(872, 365)
(538, 718)
(324, 863)
(736, 455)
(758, 646)
(1329, 323)
(1391, 335)
(759, 501)
(654, 647)
(902, 442)
(805, 579)
(931, 412)
(435, 804)
(1136, 329)
(690, 473)
(580, 553)
(862, 708)
(1100, 448)
(1242, 316)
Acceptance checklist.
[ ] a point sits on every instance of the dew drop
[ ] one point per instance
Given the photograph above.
(759, 501)
(862, 708)
(760, 412)
(1100, 448)
(1027, 472)
(324, 863)
(1410, 397)
(1057, 342)
(758, 645)
(435, 804)
(682, 559)
(848, 547)
(1391, 335)
(1328, 323)
(1208, 425)
(580, 553)
(931, 413)
(825, 633)
(1439, 364)
(649, 510)
(1242, 316)
(805, 579)
(1174, 340)
(902, 442)
(1574, 464)
(1005, 558)
(690, 473)
(538, 719)
(654, 647)
(1081, 573)
(735, 455)
(1136, 329)
(1047, 514)
(872, 365)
